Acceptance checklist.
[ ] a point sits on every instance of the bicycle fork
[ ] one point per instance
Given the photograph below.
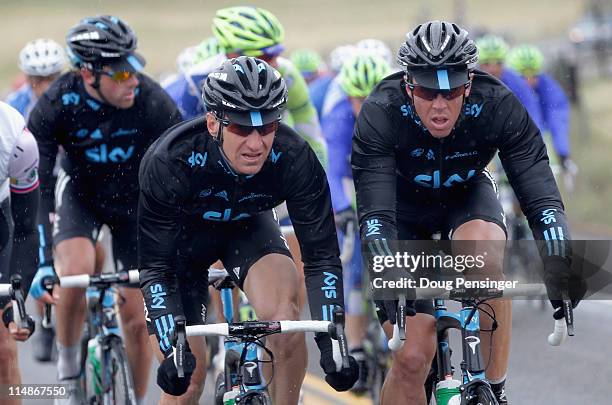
(448, 390)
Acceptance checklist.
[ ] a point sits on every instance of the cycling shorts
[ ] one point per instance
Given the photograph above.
(238, 244)
(78, 217)
(421, 215)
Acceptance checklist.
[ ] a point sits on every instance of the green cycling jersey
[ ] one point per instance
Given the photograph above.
(301, 113)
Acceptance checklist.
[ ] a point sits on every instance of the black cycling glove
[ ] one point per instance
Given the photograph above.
(341, 380)
(345, 217)
(559, 279)
(167, 375)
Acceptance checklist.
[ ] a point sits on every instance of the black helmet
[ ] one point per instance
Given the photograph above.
(438, 46)
(247, 89)
(104, 40)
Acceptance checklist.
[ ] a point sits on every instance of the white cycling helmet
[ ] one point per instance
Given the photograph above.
(42, 57)
(377, 47)
(339, 54)
(185, 60)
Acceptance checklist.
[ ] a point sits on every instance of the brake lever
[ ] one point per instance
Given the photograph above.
(20, 316)
(338, 321)
(400, 319)
(48, 283)
(180, 340)
(568, 313)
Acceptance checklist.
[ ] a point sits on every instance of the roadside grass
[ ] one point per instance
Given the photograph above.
(591, 201)
(166, 27)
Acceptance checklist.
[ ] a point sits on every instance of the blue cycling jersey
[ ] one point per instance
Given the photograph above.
(337, 124)
(519, 86)
(317, 90)
(23, 100)
(555, 111)
(188, 104)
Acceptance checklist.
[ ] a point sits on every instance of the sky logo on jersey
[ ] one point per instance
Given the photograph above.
(329, 289)
(418, 152)
(205, 193)
(71, 98)
(548, 216)
(225, 216)
(434, 181)
(157, 294)
(431, 155)
(197, 159)
(472, 110)
(275, 156)
(102, 155)
(222, 194)
(407, 112)
(373, 227)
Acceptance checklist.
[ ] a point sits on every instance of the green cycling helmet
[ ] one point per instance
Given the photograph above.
(361, 72)
(207, 49)
(306, 60)
(526, 59)
(491, 49)
(250, 31)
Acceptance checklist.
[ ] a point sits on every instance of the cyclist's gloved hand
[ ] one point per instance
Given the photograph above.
(167, 374)
(37, 289)
(569, 170)
(345, 217)
(18, 332)
(387, 310)
(559, 279)
(343, 379)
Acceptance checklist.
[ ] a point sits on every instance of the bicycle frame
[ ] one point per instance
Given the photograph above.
(237, 344)
(468, 321)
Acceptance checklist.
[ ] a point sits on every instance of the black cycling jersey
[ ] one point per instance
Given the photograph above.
(397, 162)
(103, 144)
(187, 186)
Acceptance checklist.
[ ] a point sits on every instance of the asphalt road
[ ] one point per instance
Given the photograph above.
(576, 373)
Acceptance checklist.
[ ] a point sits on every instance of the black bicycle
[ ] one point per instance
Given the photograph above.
(105, 374)
(242, 381)
(473, 388)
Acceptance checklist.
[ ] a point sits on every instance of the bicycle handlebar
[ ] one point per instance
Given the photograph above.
(14, 292)
(5, 290)
(562, 327)
(84, 281)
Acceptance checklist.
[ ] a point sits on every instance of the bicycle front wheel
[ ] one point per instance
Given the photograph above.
(484, 396)
(120, 386)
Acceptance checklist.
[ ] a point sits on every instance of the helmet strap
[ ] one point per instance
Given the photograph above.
(96, 86)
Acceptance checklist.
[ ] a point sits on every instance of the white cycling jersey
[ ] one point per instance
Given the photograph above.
(18, 154)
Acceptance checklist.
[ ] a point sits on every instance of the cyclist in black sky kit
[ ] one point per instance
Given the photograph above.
(421, 145)
(208, 189)
(105, 114)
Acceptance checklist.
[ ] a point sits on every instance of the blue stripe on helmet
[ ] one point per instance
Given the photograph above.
(443, 79)
(256, 120)
(134, 62)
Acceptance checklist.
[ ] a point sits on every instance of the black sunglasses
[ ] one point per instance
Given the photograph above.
(246, 130)
(430, 94)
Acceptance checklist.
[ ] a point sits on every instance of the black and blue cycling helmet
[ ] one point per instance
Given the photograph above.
(104, 41)
(439, 54)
